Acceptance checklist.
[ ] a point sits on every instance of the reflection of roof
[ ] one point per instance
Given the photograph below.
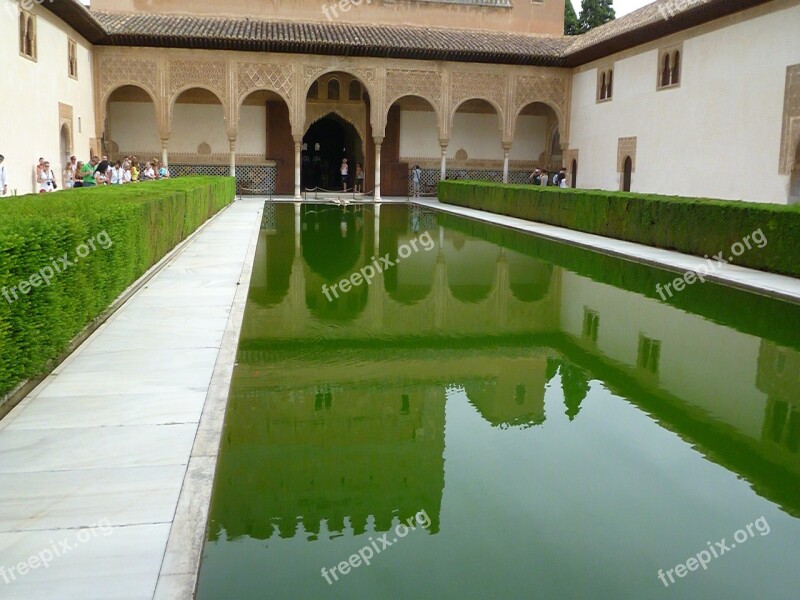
(651, 22)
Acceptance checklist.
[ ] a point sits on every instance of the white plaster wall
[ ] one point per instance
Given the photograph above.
(717, 135)
(29, 121)
(705, 364)
(478, 134)
(132, 126)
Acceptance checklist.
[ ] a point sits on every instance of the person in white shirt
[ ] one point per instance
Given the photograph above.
(117, 174)
(69, 172)
(149, 172)
(126, 174)
(47, 179)
(3, 177)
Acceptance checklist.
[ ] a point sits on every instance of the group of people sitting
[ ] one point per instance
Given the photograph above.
(99, 172)
(542, 177)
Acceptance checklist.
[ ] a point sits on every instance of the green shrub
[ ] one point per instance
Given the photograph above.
(697, 226)
(142, 222)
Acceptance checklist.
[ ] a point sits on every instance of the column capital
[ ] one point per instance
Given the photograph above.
(506, 147)
(443, 142)
(378, 140)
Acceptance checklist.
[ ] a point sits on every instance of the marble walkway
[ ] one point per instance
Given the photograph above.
(93, 462)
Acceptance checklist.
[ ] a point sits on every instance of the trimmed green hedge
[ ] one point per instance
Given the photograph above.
(131, 228)
(690, 225)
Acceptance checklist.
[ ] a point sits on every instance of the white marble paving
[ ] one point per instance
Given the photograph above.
(107, 437)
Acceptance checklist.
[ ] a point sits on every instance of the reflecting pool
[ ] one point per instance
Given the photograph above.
(495, 415)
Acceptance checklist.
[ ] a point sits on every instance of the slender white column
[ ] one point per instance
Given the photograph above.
(506, 150)
(233, 157)
(164, 153)
(298, 145)
(443, 174)
(378, 142)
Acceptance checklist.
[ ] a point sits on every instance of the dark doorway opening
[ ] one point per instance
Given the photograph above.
(626, 176)
(325, 144)
(574, 182)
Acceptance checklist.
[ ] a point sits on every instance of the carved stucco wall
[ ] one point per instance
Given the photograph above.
(231, 76)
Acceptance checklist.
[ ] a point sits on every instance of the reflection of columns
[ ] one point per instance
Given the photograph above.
(164, 153)
(233, 156)
(378, 142)
(443, 173)
(297, 228)
(377, 232)
(298, 146)
(501, 290)
(440, 291)
(506, 150)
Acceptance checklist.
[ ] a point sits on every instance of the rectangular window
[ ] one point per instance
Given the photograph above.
(591, 323)
(27, 35)
(649, 355)
(72, 58)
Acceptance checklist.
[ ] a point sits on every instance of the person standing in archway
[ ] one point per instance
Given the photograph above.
(359, 185)
(344, 171)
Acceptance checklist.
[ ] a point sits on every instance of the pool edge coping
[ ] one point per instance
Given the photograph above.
(179, 573)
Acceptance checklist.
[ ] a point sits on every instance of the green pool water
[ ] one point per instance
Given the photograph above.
(548, 425)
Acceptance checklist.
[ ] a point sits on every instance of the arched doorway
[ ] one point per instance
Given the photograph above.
(337, 126)
(626, 174)
(65, 145)
(574, 181)
(325, 144)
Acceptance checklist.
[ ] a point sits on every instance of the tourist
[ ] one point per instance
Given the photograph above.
(544, 179)
(87, 172)
(77, 178)
(416, 180)
(104, 167)
(148, 172)
(37, 169)
(343, 170)
(127, 177)
(359, 186)
(69, 172)
(3, 177)
(117, 174)
(559, 177)
(134, 169)
(535, 177)
(163, 171)
(47, 179)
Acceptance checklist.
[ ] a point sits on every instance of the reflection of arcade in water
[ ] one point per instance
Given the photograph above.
(337, 409)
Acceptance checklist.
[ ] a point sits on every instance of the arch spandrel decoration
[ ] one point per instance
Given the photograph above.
(491, 87)
(414, 82)
(547, 90)
(256, 76)
(185, 74)
(115, 73)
